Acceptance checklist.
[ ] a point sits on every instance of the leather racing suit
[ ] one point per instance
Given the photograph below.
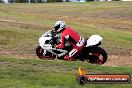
(77, 42)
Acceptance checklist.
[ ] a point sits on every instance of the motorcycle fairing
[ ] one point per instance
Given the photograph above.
(94, 40)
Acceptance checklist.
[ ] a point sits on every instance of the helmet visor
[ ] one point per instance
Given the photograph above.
(57, 27)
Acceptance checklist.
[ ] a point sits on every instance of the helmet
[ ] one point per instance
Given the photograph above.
(59, 26)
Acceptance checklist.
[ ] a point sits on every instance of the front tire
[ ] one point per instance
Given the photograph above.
(42, 55)
(97, 55)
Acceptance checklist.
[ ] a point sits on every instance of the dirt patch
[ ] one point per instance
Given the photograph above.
(119, 60)
(113, 60)
(120, 19)
(19, 54)
(19, 24)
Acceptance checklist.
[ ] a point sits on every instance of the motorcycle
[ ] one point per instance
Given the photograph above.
(91, 51)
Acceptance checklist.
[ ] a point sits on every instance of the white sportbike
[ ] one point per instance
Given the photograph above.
(91, 51)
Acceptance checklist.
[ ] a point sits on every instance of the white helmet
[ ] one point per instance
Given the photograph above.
(59, 26)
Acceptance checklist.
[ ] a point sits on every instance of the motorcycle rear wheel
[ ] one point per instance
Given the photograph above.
(40, 53)
(97, 55)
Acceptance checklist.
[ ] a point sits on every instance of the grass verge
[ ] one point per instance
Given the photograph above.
(27, 73)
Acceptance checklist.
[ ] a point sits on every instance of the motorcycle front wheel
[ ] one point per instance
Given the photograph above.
(97, 55)
(43, 54)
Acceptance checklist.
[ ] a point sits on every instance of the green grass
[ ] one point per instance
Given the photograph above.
(27, 73)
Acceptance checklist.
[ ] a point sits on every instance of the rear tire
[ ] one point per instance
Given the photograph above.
(97, 55)
(41, 55)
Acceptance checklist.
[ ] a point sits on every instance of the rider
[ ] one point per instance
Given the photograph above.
(68, 34)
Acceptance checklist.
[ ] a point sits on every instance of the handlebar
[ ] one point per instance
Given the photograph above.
(53, 33)
(54, 39)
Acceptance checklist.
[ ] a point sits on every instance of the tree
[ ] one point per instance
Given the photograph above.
(5, 1)
(54, 0)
